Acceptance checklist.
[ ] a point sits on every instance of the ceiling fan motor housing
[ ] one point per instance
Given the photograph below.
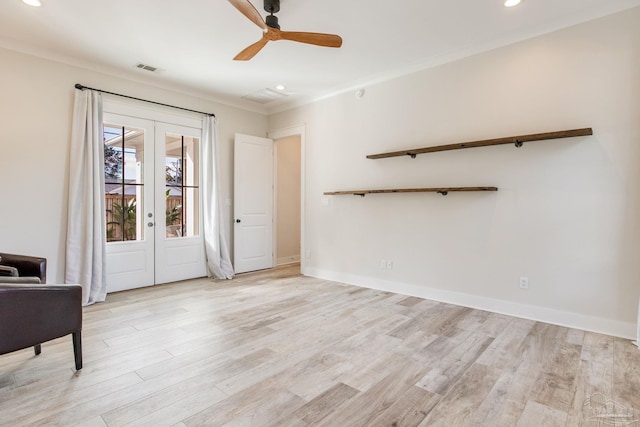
(272, 6)
(272, 21)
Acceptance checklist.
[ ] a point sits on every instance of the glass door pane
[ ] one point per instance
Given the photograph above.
(182, 171)
(124, 182)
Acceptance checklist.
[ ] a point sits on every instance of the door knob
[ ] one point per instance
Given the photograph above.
(238, 221)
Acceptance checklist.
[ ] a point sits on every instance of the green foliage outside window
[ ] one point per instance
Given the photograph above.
(124, 219)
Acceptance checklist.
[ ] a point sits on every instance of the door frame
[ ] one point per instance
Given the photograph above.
(275, 135)
(113, 105)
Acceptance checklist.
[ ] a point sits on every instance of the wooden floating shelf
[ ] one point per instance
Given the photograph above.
(517, 140)
(441, 190)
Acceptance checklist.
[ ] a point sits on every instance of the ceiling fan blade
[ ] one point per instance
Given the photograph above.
(250, 51)
(318, 39)
(247, 9)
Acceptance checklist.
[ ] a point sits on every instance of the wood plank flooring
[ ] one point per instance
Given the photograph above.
(274, 348)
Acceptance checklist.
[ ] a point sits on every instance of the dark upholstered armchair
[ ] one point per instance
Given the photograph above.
(32, 312)
(24, 266)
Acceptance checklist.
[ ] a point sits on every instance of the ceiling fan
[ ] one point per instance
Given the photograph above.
(272, 32)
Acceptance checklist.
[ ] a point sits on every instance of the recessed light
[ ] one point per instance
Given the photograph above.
(511, 3)
(280, 87)
(35, 3)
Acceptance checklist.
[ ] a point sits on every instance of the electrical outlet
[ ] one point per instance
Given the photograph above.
(524, 282)
(383, 264)
(389, 264)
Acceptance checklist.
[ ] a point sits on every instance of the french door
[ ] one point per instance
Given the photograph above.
(152, 202)
(179, 243)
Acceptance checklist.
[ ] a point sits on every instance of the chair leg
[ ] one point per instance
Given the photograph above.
(37, 349)
(77, 349)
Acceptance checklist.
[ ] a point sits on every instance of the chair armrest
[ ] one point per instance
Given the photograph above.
(26, 265)
(5, 270)
(13, 279)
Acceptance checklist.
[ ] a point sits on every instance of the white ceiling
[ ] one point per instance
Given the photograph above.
(192, 42)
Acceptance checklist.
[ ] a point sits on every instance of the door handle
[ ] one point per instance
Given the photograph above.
(238, 221)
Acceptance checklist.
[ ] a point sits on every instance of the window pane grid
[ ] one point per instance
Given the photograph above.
(123, 167)
(181, 193)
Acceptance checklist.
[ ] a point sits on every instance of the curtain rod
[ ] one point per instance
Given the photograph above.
(81, 87)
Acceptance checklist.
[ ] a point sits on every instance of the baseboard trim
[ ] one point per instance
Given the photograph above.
(288, 260)
(626, 330)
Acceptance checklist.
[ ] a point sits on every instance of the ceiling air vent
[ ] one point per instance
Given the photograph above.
(146, 67)
(265, 96)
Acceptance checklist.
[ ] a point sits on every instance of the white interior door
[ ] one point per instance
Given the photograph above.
(253, 203)
(152, 202)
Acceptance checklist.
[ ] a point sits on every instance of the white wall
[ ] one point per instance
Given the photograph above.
(566, 214)
(288, 199)
(36, 97)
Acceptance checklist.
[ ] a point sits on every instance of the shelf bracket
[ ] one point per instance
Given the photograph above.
(518, 143)
(359, 194)
(444, 193)
(412, 155)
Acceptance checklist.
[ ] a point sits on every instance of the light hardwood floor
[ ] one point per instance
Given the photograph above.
(275, 348)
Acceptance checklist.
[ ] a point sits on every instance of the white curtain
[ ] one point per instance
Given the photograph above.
(86, 227)
(216, 248)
